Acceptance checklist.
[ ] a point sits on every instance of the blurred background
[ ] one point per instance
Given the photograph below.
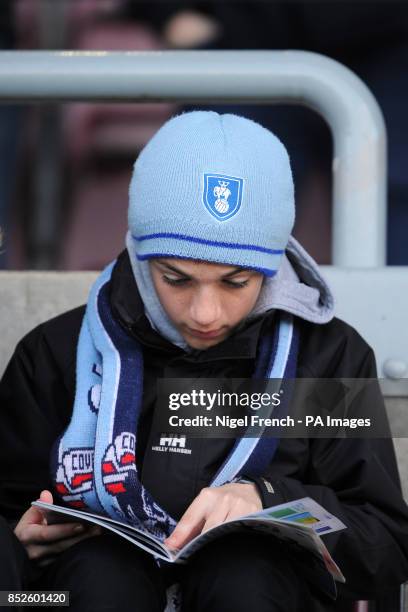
(65, 169)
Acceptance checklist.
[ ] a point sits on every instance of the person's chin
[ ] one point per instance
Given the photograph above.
(203, 343)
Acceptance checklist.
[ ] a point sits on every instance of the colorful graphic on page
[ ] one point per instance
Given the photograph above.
(306, 512)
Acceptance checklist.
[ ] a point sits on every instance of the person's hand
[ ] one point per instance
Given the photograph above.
(42, 540)
(213, 506)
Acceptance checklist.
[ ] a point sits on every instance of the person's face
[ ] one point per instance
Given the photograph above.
(204, 301)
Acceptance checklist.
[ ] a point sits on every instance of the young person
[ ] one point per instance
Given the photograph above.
(211, 285)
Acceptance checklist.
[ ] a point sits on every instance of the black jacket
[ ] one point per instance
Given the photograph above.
(355, 479)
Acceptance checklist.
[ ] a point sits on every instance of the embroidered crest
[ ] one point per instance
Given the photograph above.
(118, 465)
(222, 195)
(75, 475)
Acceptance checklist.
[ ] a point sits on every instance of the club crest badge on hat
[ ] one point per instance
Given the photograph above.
(222, 195)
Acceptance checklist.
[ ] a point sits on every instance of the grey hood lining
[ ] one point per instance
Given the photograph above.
(297, 288)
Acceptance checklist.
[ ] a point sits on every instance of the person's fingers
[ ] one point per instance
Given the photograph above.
(213, 506)
(183, 533)
(38, 551)
(32, 516)
(44, 534)
(187, 528)
(238, 511)
(192, 521)
(218, 516)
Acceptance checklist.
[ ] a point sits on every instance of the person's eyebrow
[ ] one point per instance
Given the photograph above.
(178, 271)
(172, 268)
(236, 271)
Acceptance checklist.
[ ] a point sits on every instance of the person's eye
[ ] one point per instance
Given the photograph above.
(175, 282)
(236, 284)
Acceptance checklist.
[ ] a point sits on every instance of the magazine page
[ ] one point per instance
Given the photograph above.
(308, 551)
(304, 511)
(294, 534)
(298, 523)
(301, 535)
(143, 539)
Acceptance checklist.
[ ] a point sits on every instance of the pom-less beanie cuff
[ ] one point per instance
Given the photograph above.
(187, 246)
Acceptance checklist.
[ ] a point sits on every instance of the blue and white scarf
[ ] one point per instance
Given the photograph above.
(93, 462)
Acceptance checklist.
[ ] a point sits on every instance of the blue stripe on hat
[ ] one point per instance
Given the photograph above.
(225, 245)
(266, 271)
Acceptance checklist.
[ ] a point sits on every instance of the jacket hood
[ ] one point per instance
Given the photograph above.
(297, 288)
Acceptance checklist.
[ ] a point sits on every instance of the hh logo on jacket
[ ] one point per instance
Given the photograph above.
(172, 443)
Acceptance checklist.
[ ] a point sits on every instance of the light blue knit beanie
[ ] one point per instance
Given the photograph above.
(212, 187)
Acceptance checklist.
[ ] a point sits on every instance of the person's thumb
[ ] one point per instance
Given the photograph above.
(46, 496)
(35, 515)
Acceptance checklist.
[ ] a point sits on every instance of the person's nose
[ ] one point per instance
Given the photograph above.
(205, 309)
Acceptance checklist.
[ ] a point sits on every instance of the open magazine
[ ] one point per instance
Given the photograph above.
(297, 524)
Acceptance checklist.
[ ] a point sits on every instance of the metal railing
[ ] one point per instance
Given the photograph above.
(294, 77)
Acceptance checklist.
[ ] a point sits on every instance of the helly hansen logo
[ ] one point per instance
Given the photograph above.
(168, 440)
(172, 443)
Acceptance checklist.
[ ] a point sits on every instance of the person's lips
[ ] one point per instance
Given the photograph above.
(208, 334)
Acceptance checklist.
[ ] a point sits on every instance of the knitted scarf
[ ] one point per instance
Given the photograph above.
(93, 462)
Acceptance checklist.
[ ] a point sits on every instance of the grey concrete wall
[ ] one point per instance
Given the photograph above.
(30, 298)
